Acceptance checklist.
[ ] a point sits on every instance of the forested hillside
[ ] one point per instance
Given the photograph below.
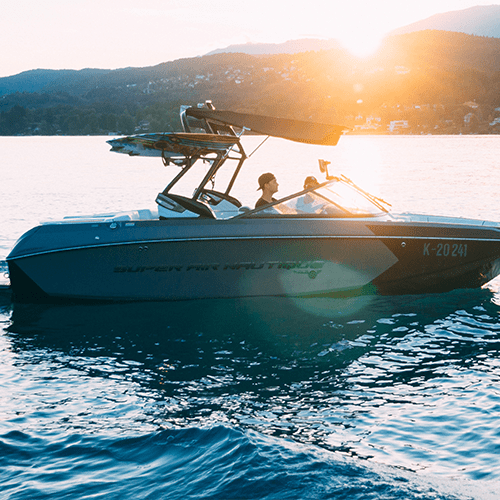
(429, 81)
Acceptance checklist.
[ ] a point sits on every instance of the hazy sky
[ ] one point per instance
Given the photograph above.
(76, 34)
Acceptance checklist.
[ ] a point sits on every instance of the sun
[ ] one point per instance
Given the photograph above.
(359, 26)
(361, 44)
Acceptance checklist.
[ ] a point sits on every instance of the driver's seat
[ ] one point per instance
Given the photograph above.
(173, 206)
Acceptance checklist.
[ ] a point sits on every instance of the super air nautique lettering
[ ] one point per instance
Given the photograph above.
(203, 267)
(141, 269)
(244, 265)
(446, 250)
(311, 268)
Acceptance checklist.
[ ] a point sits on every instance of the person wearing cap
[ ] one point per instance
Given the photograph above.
(309, 202)
(269, 186)
(310, 182)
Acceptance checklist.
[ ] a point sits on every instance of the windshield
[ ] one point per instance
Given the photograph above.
(333, 200)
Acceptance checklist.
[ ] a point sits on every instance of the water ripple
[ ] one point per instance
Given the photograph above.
(178, 464)
(387, 382)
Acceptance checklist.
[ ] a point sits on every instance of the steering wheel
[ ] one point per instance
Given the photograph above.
(192, 205)
(215, 197)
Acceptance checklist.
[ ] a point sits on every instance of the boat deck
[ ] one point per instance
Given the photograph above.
(144, 214)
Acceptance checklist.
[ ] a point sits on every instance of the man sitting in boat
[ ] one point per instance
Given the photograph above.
(269, 186)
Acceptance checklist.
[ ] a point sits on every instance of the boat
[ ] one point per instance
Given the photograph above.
(331, 239)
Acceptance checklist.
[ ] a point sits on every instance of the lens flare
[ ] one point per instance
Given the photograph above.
(362, 44)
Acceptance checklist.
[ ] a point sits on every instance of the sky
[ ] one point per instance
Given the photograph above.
(110, 34)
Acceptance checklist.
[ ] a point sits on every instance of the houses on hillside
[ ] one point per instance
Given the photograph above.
(428, 119)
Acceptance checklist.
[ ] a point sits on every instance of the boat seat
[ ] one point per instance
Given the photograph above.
(181, 204)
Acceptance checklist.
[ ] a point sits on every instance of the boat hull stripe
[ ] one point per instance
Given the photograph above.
(232, 238)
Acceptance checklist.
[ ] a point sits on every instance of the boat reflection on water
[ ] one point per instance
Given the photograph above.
(322, 372)
(192, 333)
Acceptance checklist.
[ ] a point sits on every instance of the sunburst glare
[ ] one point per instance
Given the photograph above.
(362, 164)
(362, 44)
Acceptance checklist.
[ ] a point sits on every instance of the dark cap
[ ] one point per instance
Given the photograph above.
(310, 182)
(264, 179)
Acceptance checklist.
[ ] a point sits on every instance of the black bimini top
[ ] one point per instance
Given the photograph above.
(322, 134)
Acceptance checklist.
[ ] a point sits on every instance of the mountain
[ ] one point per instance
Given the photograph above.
(289, 47)
(480, 21)
(433, 81)
(37, 79)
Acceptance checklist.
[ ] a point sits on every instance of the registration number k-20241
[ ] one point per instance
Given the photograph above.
(446, 249)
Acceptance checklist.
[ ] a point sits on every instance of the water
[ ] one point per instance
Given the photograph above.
(374, 397)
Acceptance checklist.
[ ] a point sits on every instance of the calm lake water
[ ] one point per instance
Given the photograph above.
(368, 398)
